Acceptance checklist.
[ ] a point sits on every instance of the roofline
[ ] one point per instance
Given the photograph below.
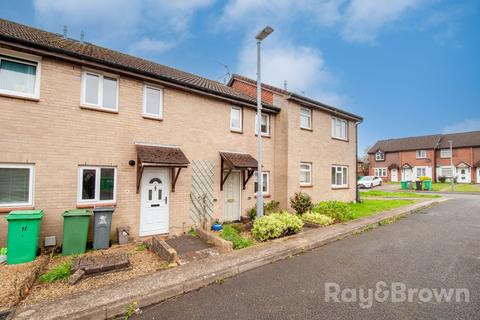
(81, 59)
(298, 98)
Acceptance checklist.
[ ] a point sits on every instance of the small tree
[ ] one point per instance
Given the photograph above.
(301, 202)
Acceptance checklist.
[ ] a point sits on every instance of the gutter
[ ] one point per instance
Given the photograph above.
(323, 106)
(82, 59)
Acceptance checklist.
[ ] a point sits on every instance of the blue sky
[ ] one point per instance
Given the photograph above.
(409, 67)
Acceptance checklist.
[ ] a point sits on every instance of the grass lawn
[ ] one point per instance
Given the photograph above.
(369, 207)
(457, 187)
(379, 193)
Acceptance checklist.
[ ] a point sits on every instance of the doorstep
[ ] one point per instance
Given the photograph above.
(113, 300)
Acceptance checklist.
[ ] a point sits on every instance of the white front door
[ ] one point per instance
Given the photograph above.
(394, 175)
(478, 175)
(154, 201)
(407, 174)
(231, 197)
(463, 175)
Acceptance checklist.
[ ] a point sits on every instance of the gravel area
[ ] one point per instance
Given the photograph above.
(142, 262)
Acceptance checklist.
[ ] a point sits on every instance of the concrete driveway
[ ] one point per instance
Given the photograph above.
(437, 248)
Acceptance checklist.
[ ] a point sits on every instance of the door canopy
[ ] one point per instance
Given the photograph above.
(243, 162)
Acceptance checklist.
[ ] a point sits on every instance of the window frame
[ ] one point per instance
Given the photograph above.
(333, 124)
(99, 105)
(377, 154)
(341, 167)
(421, 168)
(97, 185)
(255, 181)
(25, 58)
(240, 109)
(418, 154)
(382, 170)
(442, 156)
(31, 185)
(265, 134)
(154, 87)
(309, 118)
(309, 164)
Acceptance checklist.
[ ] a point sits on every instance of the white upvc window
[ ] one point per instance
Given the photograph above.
(19, 74)
(380, 172)
(17, 185)
(153, 101)
(420, 171)
(339, 176)
(236, 121)
(100, 91)
(96, 184)
(445, 153)
(339, 128)
(265, 182)
(305, 173)
(446, 171)
(265, 124)
(421, 154)
(305, 118)
(379, 156)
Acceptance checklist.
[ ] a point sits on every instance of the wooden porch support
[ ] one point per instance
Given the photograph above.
(222, 177)
(175, 177)
(249, 174)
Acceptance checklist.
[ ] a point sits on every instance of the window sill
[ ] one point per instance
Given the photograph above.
(149, 117)
(340, 188)
(306, 129)
(236, 131)
(95, 205)
(15, 96)
(9, 209)
(263, 135)
(265, 196)
(306, 186)
(98, 109)
(340, 139)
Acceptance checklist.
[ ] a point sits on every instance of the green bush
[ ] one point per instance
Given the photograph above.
(442, 179)
(301, 202)
(276, 225)
(317, 218)
(337, 210)
(60, 272)
(268, 208)
(231, 234)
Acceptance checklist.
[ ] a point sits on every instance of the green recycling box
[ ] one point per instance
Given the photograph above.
(23, 233)
(75, 231)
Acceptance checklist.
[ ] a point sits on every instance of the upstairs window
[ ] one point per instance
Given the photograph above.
(100, 91)
(265, 124)
(379, 156)
(236, 119)
(305, 118)
(339, 128)
(16, 185)
(421, 154)
(96, 184)
(153, 101)
(19, 74)
(445, 153)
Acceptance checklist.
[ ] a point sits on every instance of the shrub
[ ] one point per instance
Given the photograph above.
(442, 179)
(268, 208)
(301, 202)
(60, 272)
(337, 210)
(276, 225)
(317, 218)
(425, 178)
(231, 234)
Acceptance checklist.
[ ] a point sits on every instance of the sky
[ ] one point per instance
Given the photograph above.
(408, 67)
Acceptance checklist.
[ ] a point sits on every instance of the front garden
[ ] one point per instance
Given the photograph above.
(405, 194)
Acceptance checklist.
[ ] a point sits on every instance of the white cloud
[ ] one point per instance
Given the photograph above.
(302, 67)
(463, 126)
(116, 22)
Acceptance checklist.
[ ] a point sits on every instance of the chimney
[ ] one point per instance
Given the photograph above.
(65, 31)
(285, 85)
(82, 36)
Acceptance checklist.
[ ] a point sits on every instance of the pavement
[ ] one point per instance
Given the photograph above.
(435, 248)
(144, 291)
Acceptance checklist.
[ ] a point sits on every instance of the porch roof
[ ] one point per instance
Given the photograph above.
(239, 160)
(406, 165)
(165, 156)
(462, 164)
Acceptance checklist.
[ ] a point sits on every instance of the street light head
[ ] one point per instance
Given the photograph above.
(264, 33)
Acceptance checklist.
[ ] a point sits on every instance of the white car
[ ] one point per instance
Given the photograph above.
(369, 182)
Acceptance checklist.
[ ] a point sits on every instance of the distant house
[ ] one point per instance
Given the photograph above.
(409, 158)
(362, 168)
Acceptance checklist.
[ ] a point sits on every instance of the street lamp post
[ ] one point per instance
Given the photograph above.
(451, 164)
(259, 37)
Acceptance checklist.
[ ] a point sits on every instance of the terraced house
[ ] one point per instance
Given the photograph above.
(409, 158)
(84, 126)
